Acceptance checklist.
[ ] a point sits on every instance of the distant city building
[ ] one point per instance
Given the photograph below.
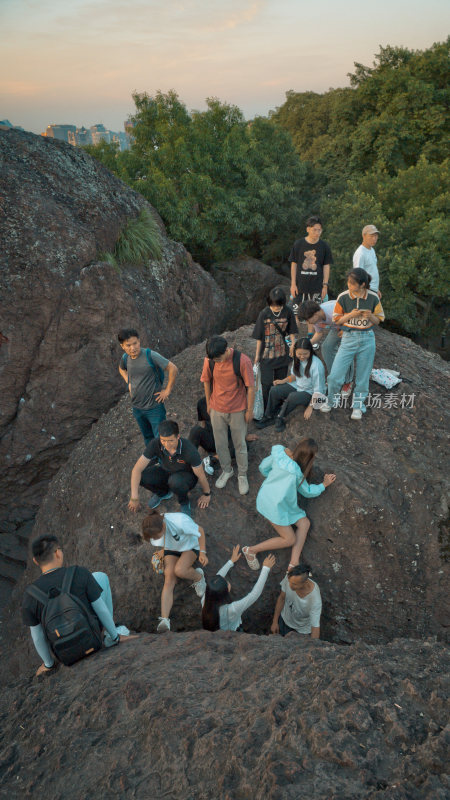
(100, 134)
(5, 125)
(60, 132)
(80, 137)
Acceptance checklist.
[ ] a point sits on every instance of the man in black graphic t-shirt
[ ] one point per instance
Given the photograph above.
(310, 260)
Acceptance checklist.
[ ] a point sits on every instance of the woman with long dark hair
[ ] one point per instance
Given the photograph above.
(219, 611)
(182, 542)
(299, 605)
(305, 384)
(285, 474)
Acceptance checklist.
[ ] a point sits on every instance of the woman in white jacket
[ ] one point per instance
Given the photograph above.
(304, 386)
(219, 612)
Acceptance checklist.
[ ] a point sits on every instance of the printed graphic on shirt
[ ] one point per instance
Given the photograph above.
(273, 342)
(310, 261)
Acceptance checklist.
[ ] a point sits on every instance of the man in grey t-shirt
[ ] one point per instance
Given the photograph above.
(143, 370)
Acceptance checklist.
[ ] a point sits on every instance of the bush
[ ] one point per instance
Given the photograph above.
(138, 242)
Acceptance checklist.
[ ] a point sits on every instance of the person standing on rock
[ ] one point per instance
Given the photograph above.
(219, 611)
(285, 473)
(275, 323)
(365, 257)
(92, 602)
(229, 385)
(358, 311)
(143, 371)
(182, 542)
(299, 605)
(178, 468)
(310, 259)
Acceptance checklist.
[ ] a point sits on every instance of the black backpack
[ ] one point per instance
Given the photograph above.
(236, 366)
(71, 630)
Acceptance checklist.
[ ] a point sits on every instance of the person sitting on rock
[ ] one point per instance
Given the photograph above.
(219, 611)
(182, 542)
(286, 471)
(92, 602)
(274, 325)
(143, 371)
(229, 385)
(299, 605)
(178, 468)
(202, 435)
(304, 386)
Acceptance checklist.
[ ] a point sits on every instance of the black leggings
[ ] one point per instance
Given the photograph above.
(269, 375)
(158, 480)
(285, 395)
(202, 437)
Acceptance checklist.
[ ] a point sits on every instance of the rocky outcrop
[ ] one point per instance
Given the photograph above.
(61, 309)
(233, 717)
(377, 541)
(246, 283)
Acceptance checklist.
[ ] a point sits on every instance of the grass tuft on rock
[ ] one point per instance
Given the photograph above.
(139, 241)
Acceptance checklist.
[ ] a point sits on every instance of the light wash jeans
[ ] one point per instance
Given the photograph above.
(359, 345)
(329, 349)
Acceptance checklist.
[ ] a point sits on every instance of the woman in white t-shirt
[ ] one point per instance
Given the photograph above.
(182, 542)
(304, 385)
(219, 612)
(299, 604)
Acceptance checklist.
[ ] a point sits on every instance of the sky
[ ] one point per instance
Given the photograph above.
(79, 61)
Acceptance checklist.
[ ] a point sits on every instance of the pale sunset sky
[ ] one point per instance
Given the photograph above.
(78, 61)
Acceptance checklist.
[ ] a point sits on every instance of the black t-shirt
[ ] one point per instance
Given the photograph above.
(265, 331)
(84, 586)
(310, 260)
(186, 456)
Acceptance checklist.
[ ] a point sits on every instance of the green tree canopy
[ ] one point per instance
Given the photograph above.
(224, 187)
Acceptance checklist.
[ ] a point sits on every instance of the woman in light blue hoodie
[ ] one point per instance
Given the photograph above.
(286, 472)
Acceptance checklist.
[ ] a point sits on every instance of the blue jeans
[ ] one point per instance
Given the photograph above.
(148, 420)
(329, 348)
(103, 581)
(359, 345)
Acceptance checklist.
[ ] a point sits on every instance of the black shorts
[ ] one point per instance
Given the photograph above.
(177, 554)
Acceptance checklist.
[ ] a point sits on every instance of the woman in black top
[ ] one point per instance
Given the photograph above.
(275, 323)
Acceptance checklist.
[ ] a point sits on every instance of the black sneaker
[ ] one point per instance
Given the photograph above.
(280, 424)
(264, 422)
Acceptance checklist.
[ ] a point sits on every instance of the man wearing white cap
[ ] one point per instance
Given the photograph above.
(365, 256)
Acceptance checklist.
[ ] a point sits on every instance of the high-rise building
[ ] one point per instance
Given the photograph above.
(80, 137)
(100, 134)
(60, 131)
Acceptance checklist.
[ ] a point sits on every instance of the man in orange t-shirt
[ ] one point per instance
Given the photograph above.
(230, 394)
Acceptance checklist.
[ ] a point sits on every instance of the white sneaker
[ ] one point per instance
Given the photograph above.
(325, 407)
(200, 586)
(163, 625)
(207, 466)
(243, 484)
(223, 479)
(356, 414)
